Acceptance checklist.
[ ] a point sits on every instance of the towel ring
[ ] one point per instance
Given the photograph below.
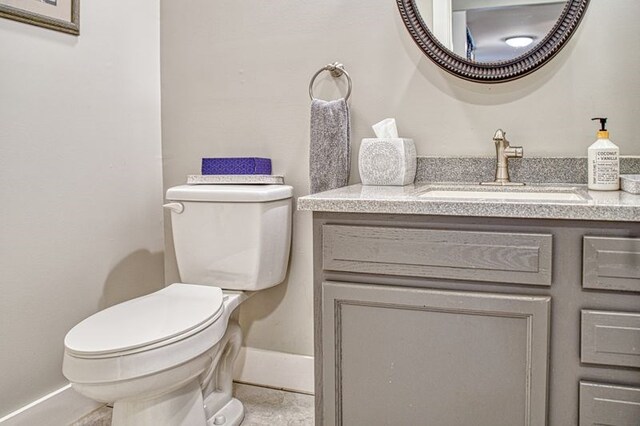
(337, 70)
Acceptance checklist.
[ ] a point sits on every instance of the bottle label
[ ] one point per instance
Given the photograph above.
(605, 167)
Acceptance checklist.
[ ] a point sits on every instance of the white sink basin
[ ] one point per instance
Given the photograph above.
(532, 194)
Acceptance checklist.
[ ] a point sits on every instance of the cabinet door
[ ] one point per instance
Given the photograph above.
(407, 356)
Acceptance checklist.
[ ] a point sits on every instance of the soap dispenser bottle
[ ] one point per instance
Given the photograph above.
(604, 161)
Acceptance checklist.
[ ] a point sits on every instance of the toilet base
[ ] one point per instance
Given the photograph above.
(203, 398)
(231, 414)
(182, 407)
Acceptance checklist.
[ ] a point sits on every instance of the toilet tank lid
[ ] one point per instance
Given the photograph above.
(230, 193)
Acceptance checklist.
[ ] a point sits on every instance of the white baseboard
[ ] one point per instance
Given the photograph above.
(59, 408)
(275, 370)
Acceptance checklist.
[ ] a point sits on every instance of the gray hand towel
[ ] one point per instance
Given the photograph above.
(330, 150)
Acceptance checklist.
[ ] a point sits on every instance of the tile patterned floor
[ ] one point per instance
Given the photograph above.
(274, 407)
(100, 417)
(263, 407)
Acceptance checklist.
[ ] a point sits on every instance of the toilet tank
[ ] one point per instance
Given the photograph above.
(235, 237)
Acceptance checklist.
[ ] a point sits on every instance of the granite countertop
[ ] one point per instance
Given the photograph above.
(597, 205)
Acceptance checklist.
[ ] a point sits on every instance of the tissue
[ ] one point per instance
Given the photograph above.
(386, 129)
(387, 159)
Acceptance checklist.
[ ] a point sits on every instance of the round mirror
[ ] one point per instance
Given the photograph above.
(491, 40)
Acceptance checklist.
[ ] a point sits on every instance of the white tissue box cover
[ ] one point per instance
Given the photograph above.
(387, 161)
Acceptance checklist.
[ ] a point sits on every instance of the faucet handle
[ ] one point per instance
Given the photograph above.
(518, 151)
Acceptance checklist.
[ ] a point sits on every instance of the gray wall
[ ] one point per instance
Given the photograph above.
(80, 182)
(234, 82)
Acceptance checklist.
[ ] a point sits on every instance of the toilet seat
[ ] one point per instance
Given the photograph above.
(158, 319)
(149, 353)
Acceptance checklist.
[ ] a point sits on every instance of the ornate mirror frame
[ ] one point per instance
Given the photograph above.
(493, 72)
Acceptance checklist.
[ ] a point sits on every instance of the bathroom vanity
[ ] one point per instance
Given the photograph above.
(484, 312)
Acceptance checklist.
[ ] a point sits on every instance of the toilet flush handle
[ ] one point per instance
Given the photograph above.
(174, 207)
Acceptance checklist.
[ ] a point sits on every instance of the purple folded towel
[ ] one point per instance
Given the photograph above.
(236, 166)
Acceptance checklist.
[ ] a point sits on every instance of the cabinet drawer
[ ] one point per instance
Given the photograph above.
(463, 255)
(602, 404)
(611, 263)
(611, 338)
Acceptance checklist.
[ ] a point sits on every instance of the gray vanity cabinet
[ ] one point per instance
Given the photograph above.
(451, 321)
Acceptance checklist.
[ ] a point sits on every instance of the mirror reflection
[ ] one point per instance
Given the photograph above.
(490, 30)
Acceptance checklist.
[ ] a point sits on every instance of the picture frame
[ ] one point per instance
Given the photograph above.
(58, 15)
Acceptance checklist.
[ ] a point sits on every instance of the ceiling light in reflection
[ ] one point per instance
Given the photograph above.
(519, 41)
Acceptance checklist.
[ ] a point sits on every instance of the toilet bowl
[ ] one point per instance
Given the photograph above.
(167, 358)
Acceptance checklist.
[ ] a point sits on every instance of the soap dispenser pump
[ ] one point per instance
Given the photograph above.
(604, 161)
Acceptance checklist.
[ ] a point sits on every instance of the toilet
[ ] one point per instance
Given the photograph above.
(167, 358)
